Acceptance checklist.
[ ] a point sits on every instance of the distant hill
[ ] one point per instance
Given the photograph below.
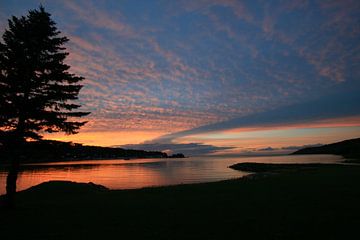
(52, 151)
(348, 148)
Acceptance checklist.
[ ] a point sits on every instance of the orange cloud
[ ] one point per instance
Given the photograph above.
(252, 138)
(352, 121)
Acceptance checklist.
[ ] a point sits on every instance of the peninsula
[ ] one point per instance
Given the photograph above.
(349, 149)
(54, 151)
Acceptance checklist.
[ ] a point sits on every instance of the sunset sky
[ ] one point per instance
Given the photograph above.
(211, 76)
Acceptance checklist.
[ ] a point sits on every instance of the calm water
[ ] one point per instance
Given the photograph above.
(125, 174)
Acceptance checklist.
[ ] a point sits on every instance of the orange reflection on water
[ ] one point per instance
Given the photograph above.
(113, 175)
(126, 174)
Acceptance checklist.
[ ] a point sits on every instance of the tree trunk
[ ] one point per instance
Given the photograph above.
(15, 151)
(11, 183)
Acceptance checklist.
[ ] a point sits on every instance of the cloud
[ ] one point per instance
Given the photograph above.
(99, 18)
(208, 64)
(3, 23)
(340, 104)
(238, 8)
(107, 73)
(148, 70)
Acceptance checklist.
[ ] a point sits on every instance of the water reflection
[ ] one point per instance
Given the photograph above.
(125, 174)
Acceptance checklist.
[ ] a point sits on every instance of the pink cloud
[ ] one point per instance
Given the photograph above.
(93, 15)
(237, 7)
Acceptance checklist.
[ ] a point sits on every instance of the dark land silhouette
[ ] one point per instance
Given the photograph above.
(348, 148)
(54, 151)
(277, 168)
(317, 203)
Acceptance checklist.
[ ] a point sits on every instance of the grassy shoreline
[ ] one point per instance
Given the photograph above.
(313, 204)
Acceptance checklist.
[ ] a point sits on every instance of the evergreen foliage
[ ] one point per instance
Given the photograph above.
(37, 91)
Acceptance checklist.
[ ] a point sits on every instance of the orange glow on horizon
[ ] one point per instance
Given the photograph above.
(239, 138)
(353, 121)
(106, 138)
(251, 138)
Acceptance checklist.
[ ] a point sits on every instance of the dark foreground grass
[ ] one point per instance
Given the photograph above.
(318, 203)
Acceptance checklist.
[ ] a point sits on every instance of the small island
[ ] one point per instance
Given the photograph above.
(177, 155)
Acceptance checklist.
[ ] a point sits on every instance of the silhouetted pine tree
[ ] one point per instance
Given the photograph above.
(36, 89)
(35, 84)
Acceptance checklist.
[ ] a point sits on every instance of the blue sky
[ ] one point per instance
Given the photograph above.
(155, 68)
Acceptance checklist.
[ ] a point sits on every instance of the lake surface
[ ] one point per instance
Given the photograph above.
(126, 174)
